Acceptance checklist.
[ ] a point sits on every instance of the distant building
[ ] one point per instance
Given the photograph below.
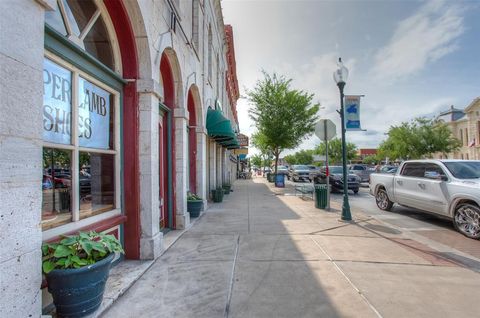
(365, 152)
(465, 126)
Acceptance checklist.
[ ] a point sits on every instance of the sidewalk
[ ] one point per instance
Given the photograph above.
(266, 253)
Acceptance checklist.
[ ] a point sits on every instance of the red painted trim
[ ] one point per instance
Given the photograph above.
(192, 143)
(97, 227)
(169, 94)
(130, 169)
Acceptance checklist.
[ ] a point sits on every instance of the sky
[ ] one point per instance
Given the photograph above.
(409, 58)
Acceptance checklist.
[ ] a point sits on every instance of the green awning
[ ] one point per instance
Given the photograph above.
(219, 127)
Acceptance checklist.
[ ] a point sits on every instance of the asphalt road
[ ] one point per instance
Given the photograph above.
(430, 226)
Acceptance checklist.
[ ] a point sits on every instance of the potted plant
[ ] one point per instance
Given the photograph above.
(194, 204)
(227, 188)
(217, 194)
(77, 269)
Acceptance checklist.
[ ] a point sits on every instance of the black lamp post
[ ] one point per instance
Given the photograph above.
(340, 76)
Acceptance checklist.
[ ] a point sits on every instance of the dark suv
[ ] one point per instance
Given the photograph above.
(336, 179)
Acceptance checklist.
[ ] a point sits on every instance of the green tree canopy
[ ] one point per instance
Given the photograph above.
(256, 160)
(283, 116)
(369, 160)
(335, 151)
(302, 157)
(419, 138)
(291, 159)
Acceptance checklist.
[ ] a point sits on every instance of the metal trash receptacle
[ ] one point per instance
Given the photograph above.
(321, 196)
(280, 180)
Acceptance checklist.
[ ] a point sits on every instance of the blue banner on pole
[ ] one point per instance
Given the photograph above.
(352, 113)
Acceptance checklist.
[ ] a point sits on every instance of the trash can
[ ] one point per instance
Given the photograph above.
(270, 177)
(280, 180)
(321, 196)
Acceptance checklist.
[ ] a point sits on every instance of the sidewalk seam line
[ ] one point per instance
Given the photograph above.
(348, 280)
(232, 278)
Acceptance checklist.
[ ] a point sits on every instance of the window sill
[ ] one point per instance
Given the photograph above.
(98, 223)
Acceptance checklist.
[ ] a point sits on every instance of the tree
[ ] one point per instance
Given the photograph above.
(335, 150)
(283, 116)
(256, 160)
(304, 157)
(369, 160)
(259, 142)
(420, 138)
(291, 159)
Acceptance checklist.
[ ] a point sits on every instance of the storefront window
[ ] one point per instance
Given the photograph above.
(90, 143)
(56, 187)
(95, 116)
(57, 103)
(81, 164)
(97, 183)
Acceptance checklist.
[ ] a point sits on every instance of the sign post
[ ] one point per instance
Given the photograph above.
(325, 129)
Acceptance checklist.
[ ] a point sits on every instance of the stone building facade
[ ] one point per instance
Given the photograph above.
(465, 126)
(103, 125)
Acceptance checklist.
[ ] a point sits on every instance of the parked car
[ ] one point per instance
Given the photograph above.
(336, 179)
(363, 171)
(282, 170)
(449, 188)
(299, 173)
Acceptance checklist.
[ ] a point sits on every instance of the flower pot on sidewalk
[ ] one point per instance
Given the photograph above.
(79, 292)
(77, 269)
(194, 207)
(227, 188)
(217, 195)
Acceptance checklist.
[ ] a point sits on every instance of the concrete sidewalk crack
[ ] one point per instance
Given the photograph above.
(232, 279)
(348, 279)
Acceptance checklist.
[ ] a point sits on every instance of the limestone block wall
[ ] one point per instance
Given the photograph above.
(21, 90)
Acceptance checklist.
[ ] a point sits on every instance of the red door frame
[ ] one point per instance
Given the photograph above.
(169, 101)
(192, 142)
(131, 186)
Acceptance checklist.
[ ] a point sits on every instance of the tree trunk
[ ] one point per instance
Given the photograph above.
(277, 154)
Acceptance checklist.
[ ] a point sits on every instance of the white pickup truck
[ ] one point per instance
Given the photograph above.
(450, 188)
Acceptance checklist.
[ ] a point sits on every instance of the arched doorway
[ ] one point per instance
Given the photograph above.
(166, 148)
(192, 143)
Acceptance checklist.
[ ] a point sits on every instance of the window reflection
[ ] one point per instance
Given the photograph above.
(97, 43)
(56, 188)
(97, 183)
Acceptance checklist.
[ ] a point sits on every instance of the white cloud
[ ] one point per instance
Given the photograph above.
(420, 39)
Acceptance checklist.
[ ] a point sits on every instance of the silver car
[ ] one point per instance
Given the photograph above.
(449, 188)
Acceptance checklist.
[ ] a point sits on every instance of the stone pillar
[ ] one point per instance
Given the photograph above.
(151, 239)
(201, 163)
(213, 165)
(180, 174)
(218, 166)
(21, 133)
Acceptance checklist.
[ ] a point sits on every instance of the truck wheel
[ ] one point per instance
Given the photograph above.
(383, 202)
(467, 220)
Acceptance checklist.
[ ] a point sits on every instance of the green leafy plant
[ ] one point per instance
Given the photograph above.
(192, 196)
(78, 250)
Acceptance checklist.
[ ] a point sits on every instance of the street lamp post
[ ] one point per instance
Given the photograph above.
(340, 76)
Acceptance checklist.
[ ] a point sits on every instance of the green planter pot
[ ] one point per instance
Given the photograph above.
(217, 195)
(227, 188)
(271, 177)
(194, 207)
(79, 292)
